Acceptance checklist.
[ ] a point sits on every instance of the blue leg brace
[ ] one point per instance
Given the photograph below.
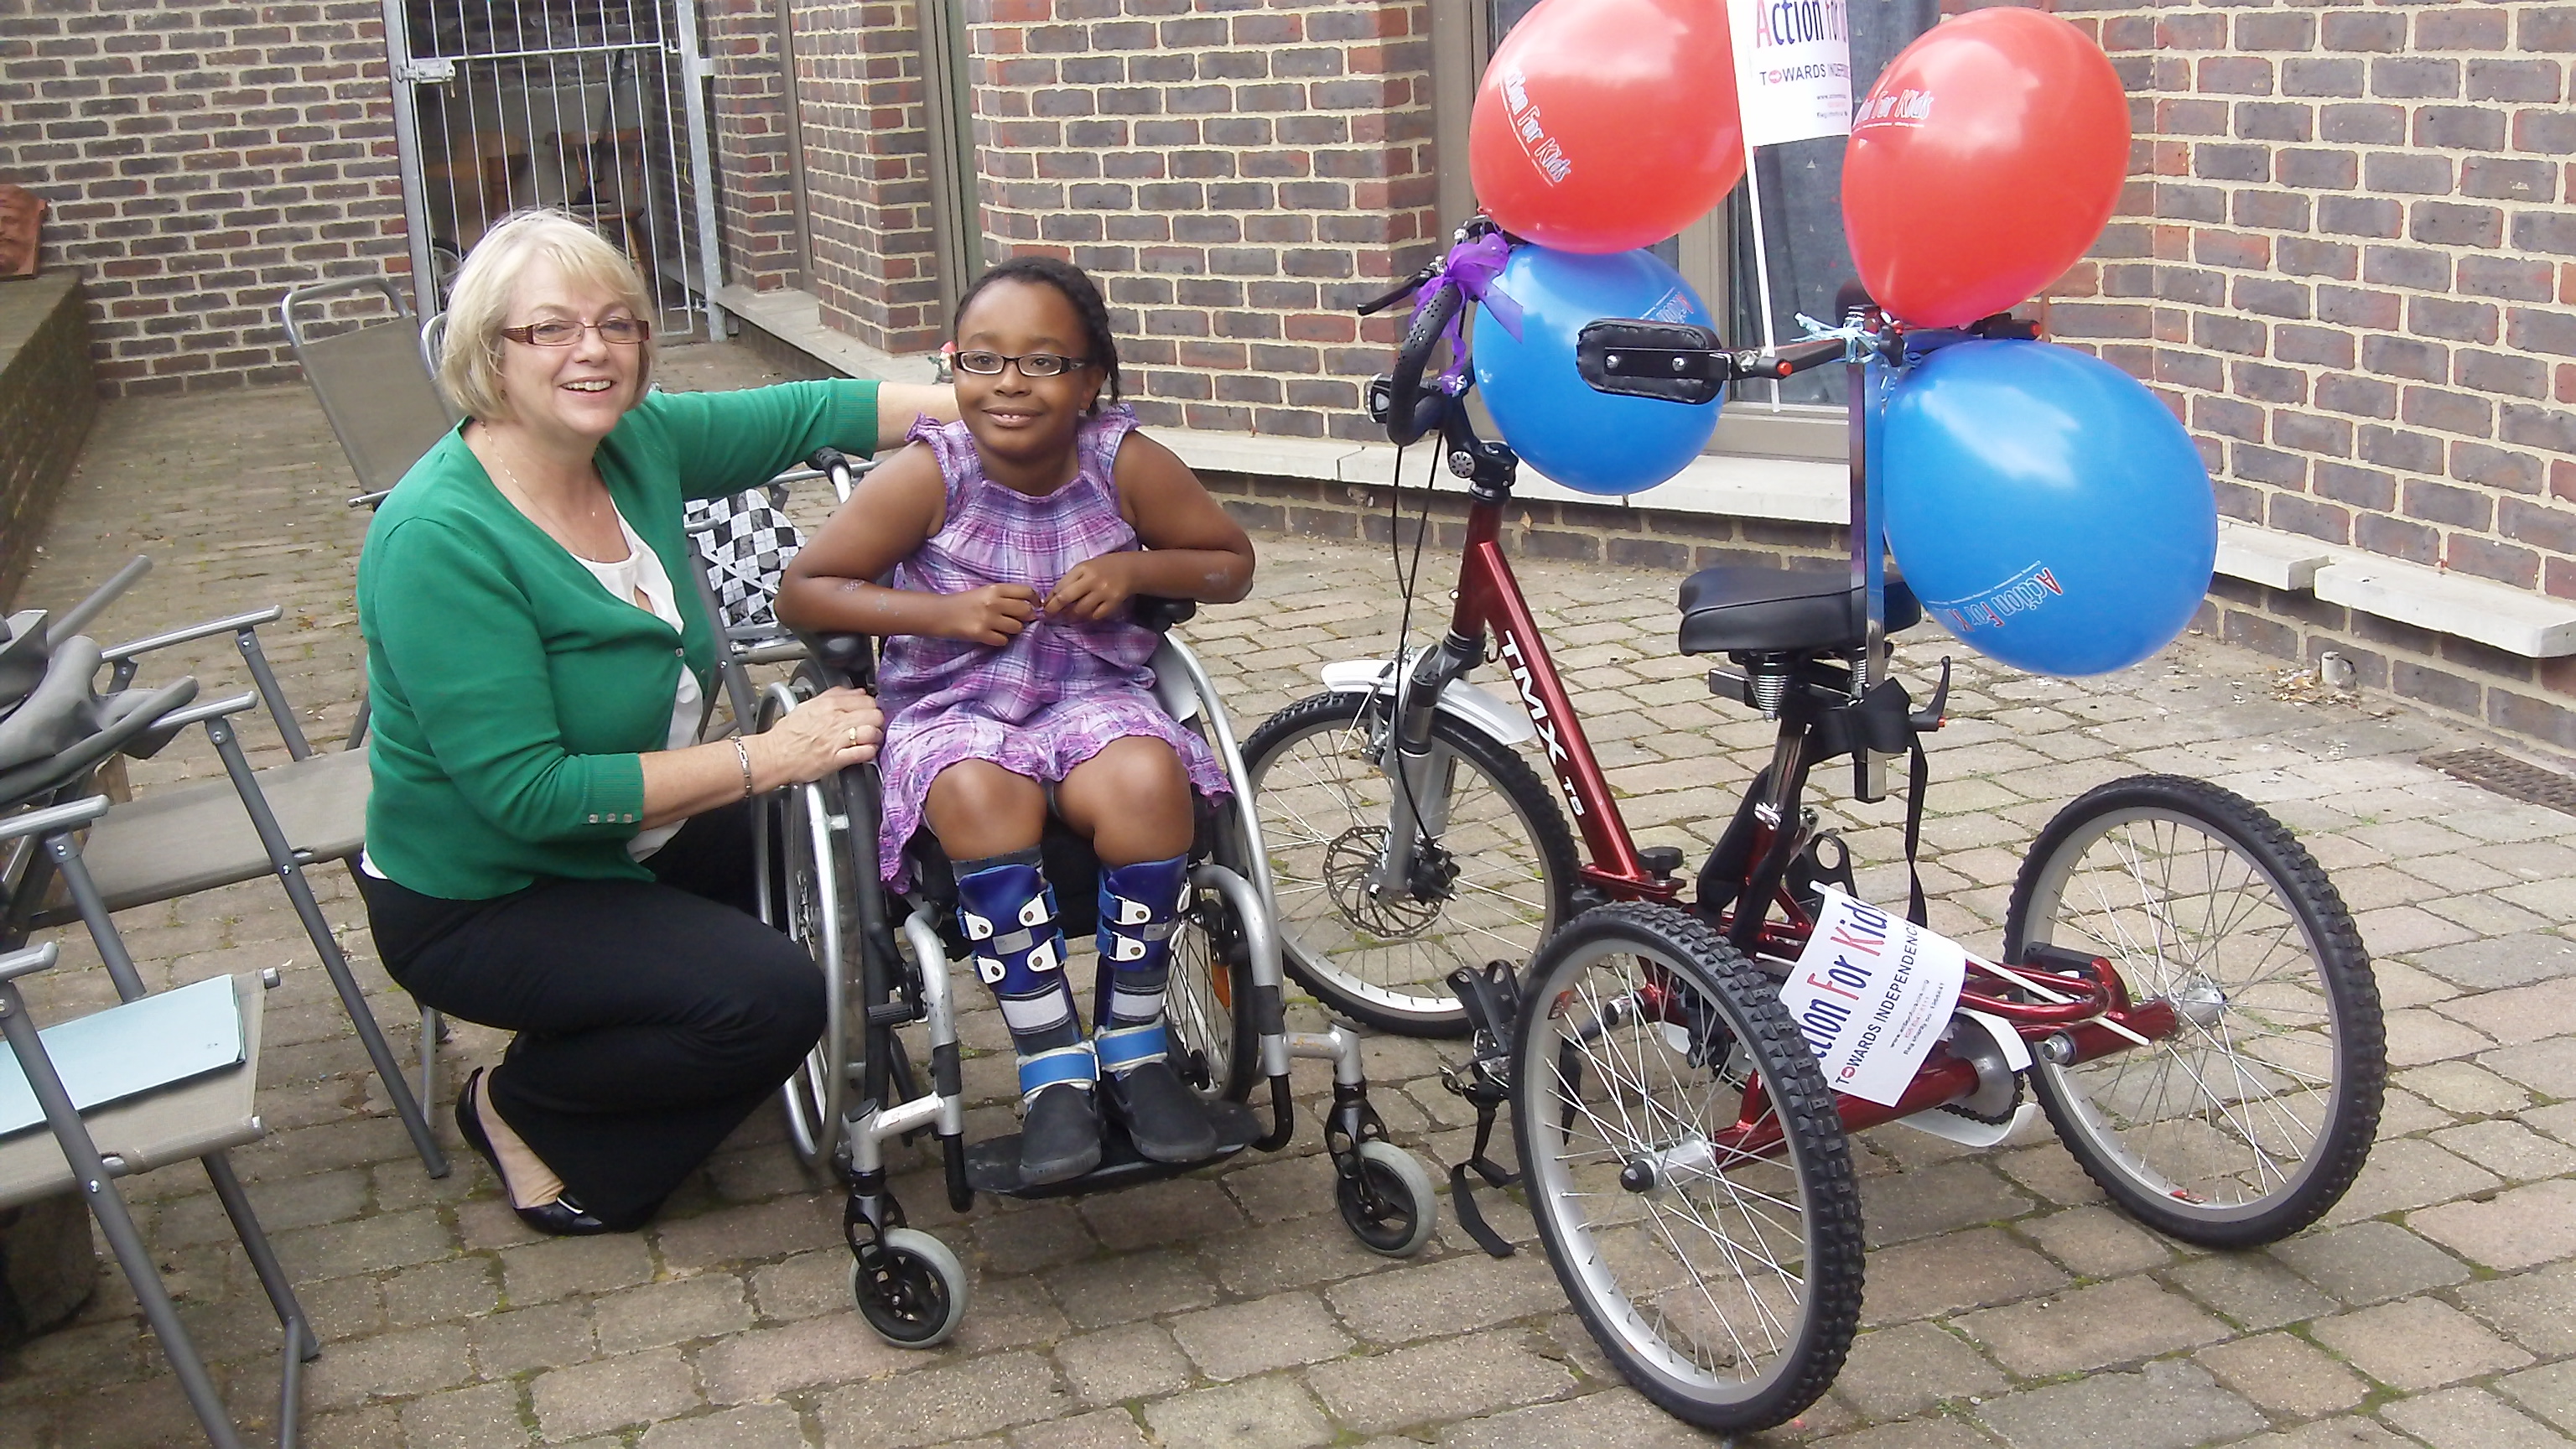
(1140, 906)
(1009, 915)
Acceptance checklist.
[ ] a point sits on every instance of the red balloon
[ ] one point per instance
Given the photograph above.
(1982, 165)
(1607, 125)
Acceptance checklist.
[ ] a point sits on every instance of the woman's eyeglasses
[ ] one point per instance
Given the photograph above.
(558, 332)
(1031, 364)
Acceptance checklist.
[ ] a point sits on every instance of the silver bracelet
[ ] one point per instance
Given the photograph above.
(742, 754)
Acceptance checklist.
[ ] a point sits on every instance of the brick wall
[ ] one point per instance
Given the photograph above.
(756, 215)
(2348, 261)
(200, 159)
(1235, 175)
(48, 399)
(867, 177)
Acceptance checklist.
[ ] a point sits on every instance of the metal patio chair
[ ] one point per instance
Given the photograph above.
(373, 380)
(154, 1080)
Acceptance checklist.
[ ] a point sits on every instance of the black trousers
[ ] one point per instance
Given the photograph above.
(652, 1017)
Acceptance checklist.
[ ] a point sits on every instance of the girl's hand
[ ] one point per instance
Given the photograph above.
(1094, 588)
(992, 614)
(832, 731)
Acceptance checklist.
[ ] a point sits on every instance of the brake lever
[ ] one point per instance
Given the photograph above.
(1403, 289)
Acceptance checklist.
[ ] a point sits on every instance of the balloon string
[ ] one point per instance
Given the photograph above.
(1761, 260)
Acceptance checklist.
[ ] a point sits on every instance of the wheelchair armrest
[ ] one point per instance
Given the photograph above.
(1159, 614)
(244, 628)
(29, 961)
(230, 624)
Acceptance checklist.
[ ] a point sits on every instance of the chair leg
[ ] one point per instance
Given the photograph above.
(290, 874)
(301, 1346)
(433, 1029)
(117, 1222)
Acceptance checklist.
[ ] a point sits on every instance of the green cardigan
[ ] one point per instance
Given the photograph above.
(511, 696)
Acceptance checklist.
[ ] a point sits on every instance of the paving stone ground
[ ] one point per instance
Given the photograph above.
(2007, 1303)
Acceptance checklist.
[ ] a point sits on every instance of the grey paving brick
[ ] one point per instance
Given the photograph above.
(1617, 1419)
(2470, 1418)
(467, 1418)
(2548, 1391)
(1435, 1383)
(953, 1402)
(767, 1362)
(1136, 1361)
(1242, 1339)
(1265, 1413)
(1961, 1270)
(2516, 1228)
(2168, 1405)
(2536, 1309)
(2284, 1374)
(1104, 1291)
(2096, 1327)
(2417, 1343)
(1895, 1372)
(744, 1426)
(2370, 1262)
(610, 1393)
(659, 1314)
(1462, 1293)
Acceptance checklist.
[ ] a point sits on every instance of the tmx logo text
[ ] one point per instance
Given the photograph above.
(1539, 717)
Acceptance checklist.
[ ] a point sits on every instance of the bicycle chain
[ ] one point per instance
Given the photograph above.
(1998, 1119)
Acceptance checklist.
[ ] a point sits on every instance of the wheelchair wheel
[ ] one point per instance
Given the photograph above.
(815, 880)
(1207, 1001)
(2252, 1118)
(1688, 1172)
(1492, 883)
(914, 1294)
(1389, 1203)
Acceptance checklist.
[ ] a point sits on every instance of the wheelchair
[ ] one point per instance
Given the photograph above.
(885, 959)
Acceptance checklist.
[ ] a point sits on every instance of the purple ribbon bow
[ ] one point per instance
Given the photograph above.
(1473, 266)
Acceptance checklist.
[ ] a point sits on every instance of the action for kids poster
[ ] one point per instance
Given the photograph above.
(1872, 992)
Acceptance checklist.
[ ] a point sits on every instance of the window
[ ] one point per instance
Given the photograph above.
(1800, 186)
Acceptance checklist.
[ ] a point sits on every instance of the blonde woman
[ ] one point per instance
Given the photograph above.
(549, 849)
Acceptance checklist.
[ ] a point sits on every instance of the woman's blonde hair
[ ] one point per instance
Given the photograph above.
(469, 353)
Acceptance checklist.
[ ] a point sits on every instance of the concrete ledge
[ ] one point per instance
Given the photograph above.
(2498, 615)
(2275, 560)
(795, 320)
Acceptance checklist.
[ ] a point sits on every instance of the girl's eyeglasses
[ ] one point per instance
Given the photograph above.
(1031, 364)
(557, 332)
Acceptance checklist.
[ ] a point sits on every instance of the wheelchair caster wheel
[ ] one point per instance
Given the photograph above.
(1387, 1202)
(915, 1293)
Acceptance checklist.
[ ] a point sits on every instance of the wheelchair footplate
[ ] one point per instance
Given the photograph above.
(993, 1165)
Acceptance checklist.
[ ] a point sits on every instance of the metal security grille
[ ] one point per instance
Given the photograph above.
(596, 107)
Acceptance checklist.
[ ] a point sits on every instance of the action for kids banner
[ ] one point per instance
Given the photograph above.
(1872, 992)
(1792, 68)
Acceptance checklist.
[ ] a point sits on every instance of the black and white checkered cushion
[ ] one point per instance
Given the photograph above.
(746, 553)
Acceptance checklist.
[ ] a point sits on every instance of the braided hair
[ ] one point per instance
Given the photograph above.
(1077, 287)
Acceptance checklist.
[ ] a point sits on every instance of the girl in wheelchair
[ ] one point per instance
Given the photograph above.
(1014, 682)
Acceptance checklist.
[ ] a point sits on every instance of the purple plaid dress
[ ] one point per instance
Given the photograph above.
(1059, 691)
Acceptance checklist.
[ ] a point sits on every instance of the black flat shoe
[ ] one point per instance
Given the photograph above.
(562, 1218)
(1060, 1136)
(1165, 1119)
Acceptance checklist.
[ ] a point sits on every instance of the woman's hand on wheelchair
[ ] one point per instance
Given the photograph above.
(1094, 588)
(991, 615)
(832, 731)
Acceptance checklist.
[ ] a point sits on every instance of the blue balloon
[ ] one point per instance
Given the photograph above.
(1587, 440)
(2045, 507)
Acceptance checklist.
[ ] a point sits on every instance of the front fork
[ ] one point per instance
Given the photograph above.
(1418, 771)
